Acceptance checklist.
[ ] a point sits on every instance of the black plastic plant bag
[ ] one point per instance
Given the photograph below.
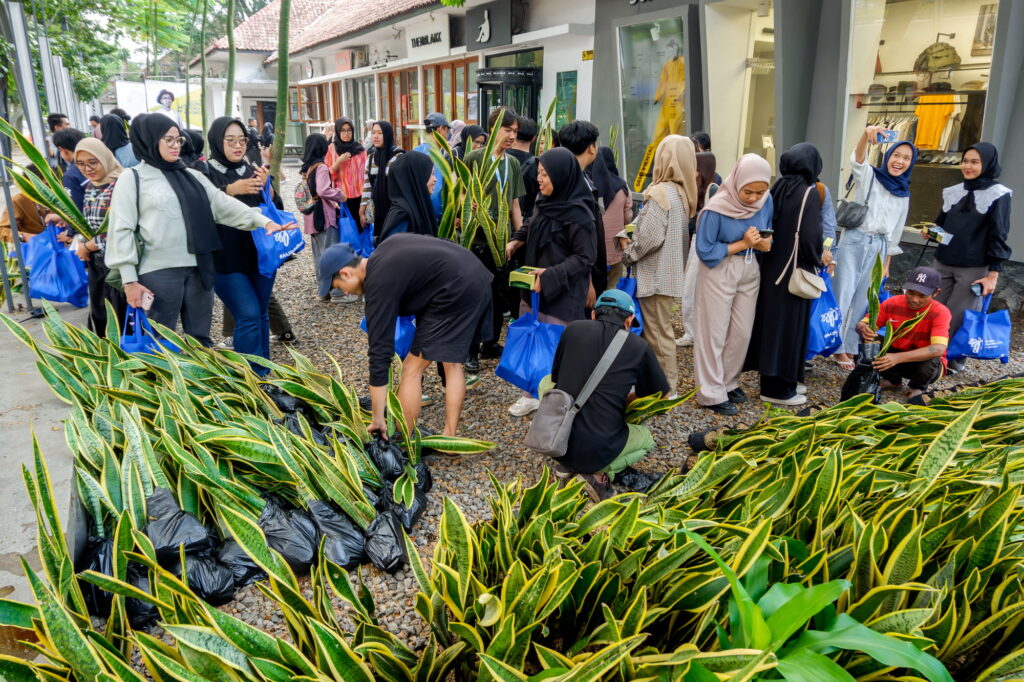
(211, 580)
(424, 481)
(291, 532)
(243, 568)
(169, 527)
(141, 615)
(387, 456)
(635, 481)
(343, 539)
(385, 546)
(407, 516)
(98, 556)
(863, 379)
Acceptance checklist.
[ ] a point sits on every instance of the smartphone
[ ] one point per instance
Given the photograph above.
(976, 289)
(147, 301)
(886, 137)
(767, 232)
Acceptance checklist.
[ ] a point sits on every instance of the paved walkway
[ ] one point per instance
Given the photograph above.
(27, 404)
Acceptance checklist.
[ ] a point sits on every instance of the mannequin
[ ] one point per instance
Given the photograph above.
(670, 93)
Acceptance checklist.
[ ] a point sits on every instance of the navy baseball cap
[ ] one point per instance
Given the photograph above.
(334, 258)
(436, 120)
(923, 280)
(617, 298)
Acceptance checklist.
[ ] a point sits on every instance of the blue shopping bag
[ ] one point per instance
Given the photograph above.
(824, 335)
(274, 249)
(529, 350)
(138, 335)
(628, 284)
(982, 335)
(405, 329)
(349, 233)
(883, 293)
(56, 274)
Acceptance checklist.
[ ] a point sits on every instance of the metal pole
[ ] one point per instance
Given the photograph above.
(16, 29)
(15, 236)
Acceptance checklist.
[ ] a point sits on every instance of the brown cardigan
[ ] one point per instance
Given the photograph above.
(28, 216)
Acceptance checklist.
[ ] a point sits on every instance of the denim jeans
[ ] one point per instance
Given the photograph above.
(247, 296)
(855, 258)
(320, 241)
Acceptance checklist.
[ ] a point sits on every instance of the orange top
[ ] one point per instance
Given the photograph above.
(932, 113)
(350, 176)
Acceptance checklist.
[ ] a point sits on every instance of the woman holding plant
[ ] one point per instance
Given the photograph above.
(885, 192)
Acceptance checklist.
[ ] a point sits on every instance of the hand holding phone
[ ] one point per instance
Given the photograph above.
(147, 300)
(886, 136)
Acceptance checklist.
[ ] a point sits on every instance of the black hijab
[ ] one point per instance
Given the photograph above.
(353, 146)
(799, 168)
(567, 204)
(605, 175)
(410, 200)
(114, 132)
(202, 237)
(313, 153)
(192, 149)
(234, 170)
(267, 138)
(466, 137)
(379, 191)
(990, 169)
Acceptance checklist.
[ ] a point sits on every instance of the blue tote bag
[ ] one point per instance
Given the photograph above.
(405, 329)
(982, 335)
(274, 249)
(529, 350)
(138, 335)
(628, 284)
(349, 233)
(824, 331)
(56, 274)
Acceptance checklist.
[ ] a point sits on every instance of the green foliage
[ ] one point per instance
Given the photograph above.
(877, 274)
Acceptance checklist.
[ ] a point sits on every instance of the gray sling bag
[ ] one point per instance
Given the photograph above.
(549, 432)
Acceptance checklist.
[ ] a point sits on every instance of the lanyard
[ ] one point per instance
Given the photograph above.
(502, 181)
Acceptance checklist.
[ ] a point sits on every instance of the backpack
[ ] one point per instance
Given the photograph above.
(305, 198)
(937, 57)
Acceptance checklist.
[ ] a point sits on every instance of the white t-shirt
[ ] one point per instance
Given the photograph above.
(887, 214)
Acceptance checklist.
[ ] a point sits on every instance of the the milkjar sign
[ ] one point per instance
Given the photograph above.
(428, 39)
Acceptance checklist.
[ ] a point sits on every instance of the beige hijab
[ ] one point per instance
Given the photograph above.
(111, 168)
(675, 165)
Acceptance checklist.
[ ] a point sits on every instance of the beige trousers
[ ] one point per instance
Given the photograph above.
(726, 298)
(658, 333)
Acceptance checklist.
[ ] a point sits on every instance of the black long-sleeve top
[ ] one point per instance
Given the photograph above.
(568, 260)
(979, 238)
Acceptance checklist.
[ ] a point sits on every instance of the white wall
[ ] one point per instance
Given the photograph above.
(728, 80)
(565, 53)
(544, 13)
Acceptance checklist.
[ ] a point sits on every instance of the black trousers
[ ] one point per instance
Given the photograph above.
(919, 374)
(501, 296)
(99, 293)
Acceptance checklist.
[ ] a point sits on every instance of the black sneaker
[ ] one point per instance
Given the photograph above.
(597, 486)
(472, 366)
(737, 396)
(491, 351)
(726, 409)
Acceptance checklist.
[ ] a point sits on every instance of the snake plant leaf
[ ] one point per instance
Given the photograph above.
(943, 449)
(17, 669)
(808, 665)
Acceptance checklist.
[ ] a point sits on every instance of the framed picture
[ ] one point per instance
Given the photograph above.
(985, 31)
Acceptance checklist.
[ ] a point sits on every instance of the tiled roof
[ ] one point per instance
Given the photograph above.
(258, 33)
(346, 17)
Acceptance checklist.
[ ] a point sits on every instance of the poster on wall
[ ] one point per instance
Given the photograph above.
(985, 31)
(653, 77)
(565, 90)
(165, 97)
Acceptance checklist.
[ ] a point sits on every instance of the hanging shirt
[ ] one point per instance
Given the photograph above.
(932, 113)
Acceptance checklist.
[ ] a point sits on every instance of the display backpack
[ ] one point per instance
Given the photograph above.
(305, 198)
(937, 57)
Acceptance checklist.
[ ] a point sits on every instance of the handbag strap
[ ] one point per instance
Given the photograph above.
(796, 239)
(603, 365)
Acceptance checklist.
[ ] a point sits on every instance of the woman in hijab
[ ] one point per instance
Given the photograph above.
(322, 224)
(192, 150)
(267, 137)
(115, 137)
(886, 191)
(977, 213)
(657, 250)
(728, 278)
(456, 134)
(101, 169)
(472, 137)
(375, 202)
(779, 339)
(410, 184)
(346, 158)
(706, 188)
(560, 240)
(174, 211)
(618, 207)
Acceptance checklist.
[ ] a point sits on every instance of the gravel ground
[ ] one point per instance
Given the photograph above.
(332, 330)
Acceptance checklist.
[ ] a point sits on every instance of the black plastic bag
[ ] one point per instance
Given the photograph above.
(291, 532)
(387, 456)
(211, 580)
(635, 481)
(385, 546)
(343, 539)
(365, 403)
(243, 568)
(169, 527)
(98, 556)
(863, 379)
(424, 481)
(285, 402)
(141, 615)
(407, 516)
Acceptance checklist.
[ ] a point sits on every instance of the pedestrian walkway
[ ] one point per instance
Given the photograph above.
(27, 404)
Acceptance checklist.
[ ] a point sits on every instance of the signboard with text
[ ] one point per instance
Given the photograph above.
(428, 39)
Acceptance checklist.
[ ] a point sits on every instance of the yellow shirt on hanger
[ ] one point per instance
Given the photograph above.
(932, 113)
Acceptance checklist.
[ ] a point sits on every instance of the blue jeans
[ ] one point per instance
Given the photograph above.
(855, 258)
(247, 296)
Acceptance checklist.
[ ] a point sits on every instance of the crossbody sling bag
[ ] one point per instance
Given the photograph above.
(850, 214)
(549, 432)
(801, 282)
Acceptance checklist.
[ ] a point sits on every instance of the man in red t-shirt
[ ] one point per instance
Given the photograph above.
(920, 355)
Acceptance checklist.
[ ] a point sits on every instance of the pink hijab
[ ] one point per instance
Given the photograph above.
(750, 168)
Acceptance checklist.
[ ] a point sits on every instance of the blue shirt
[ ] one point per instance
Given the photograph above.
(435, 198)
(715, 232)
(74, 182)
(126, 157)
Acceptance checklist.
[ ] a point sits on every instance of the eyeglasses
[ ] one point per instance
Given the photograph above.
(347, 130)
(173, 141)
(88, 165)
(234, 141)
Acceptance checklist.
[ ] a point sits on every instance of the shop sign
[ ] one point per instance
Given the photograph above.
(428, 39)
(489, 25)
(645, 168)
(588, 55)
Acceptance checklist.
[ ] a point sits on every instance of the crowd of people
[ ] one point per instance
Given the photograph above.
(737, 255)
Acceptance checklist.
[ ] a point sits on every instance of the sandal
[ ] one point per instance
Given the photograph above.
(845, 365)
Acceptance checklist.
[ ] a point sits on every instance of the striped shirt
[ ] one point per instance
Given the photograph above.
(932, 329)
(371, 173)
(95, 207)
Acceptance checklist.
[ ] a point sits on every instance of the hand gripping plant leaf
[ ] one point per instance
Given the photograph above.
(877, 274)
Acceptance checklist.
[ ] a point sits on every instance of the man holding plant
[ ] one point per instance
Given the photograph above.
(918, 354)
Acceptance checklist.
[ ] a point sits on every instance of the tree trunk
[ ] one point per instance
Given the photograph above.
(188, 64)
(202, 67)
(277, 151)
(229, 88)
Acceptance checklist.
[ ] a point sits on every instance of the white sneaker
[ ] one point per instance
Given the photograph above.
(685, 340)
(798, 399)
(801, 389)
(227, 344)
(524, 406)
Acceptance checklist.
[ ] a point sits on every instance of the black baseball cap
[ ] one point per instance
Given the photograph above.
(334, 258)
(923, 280)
